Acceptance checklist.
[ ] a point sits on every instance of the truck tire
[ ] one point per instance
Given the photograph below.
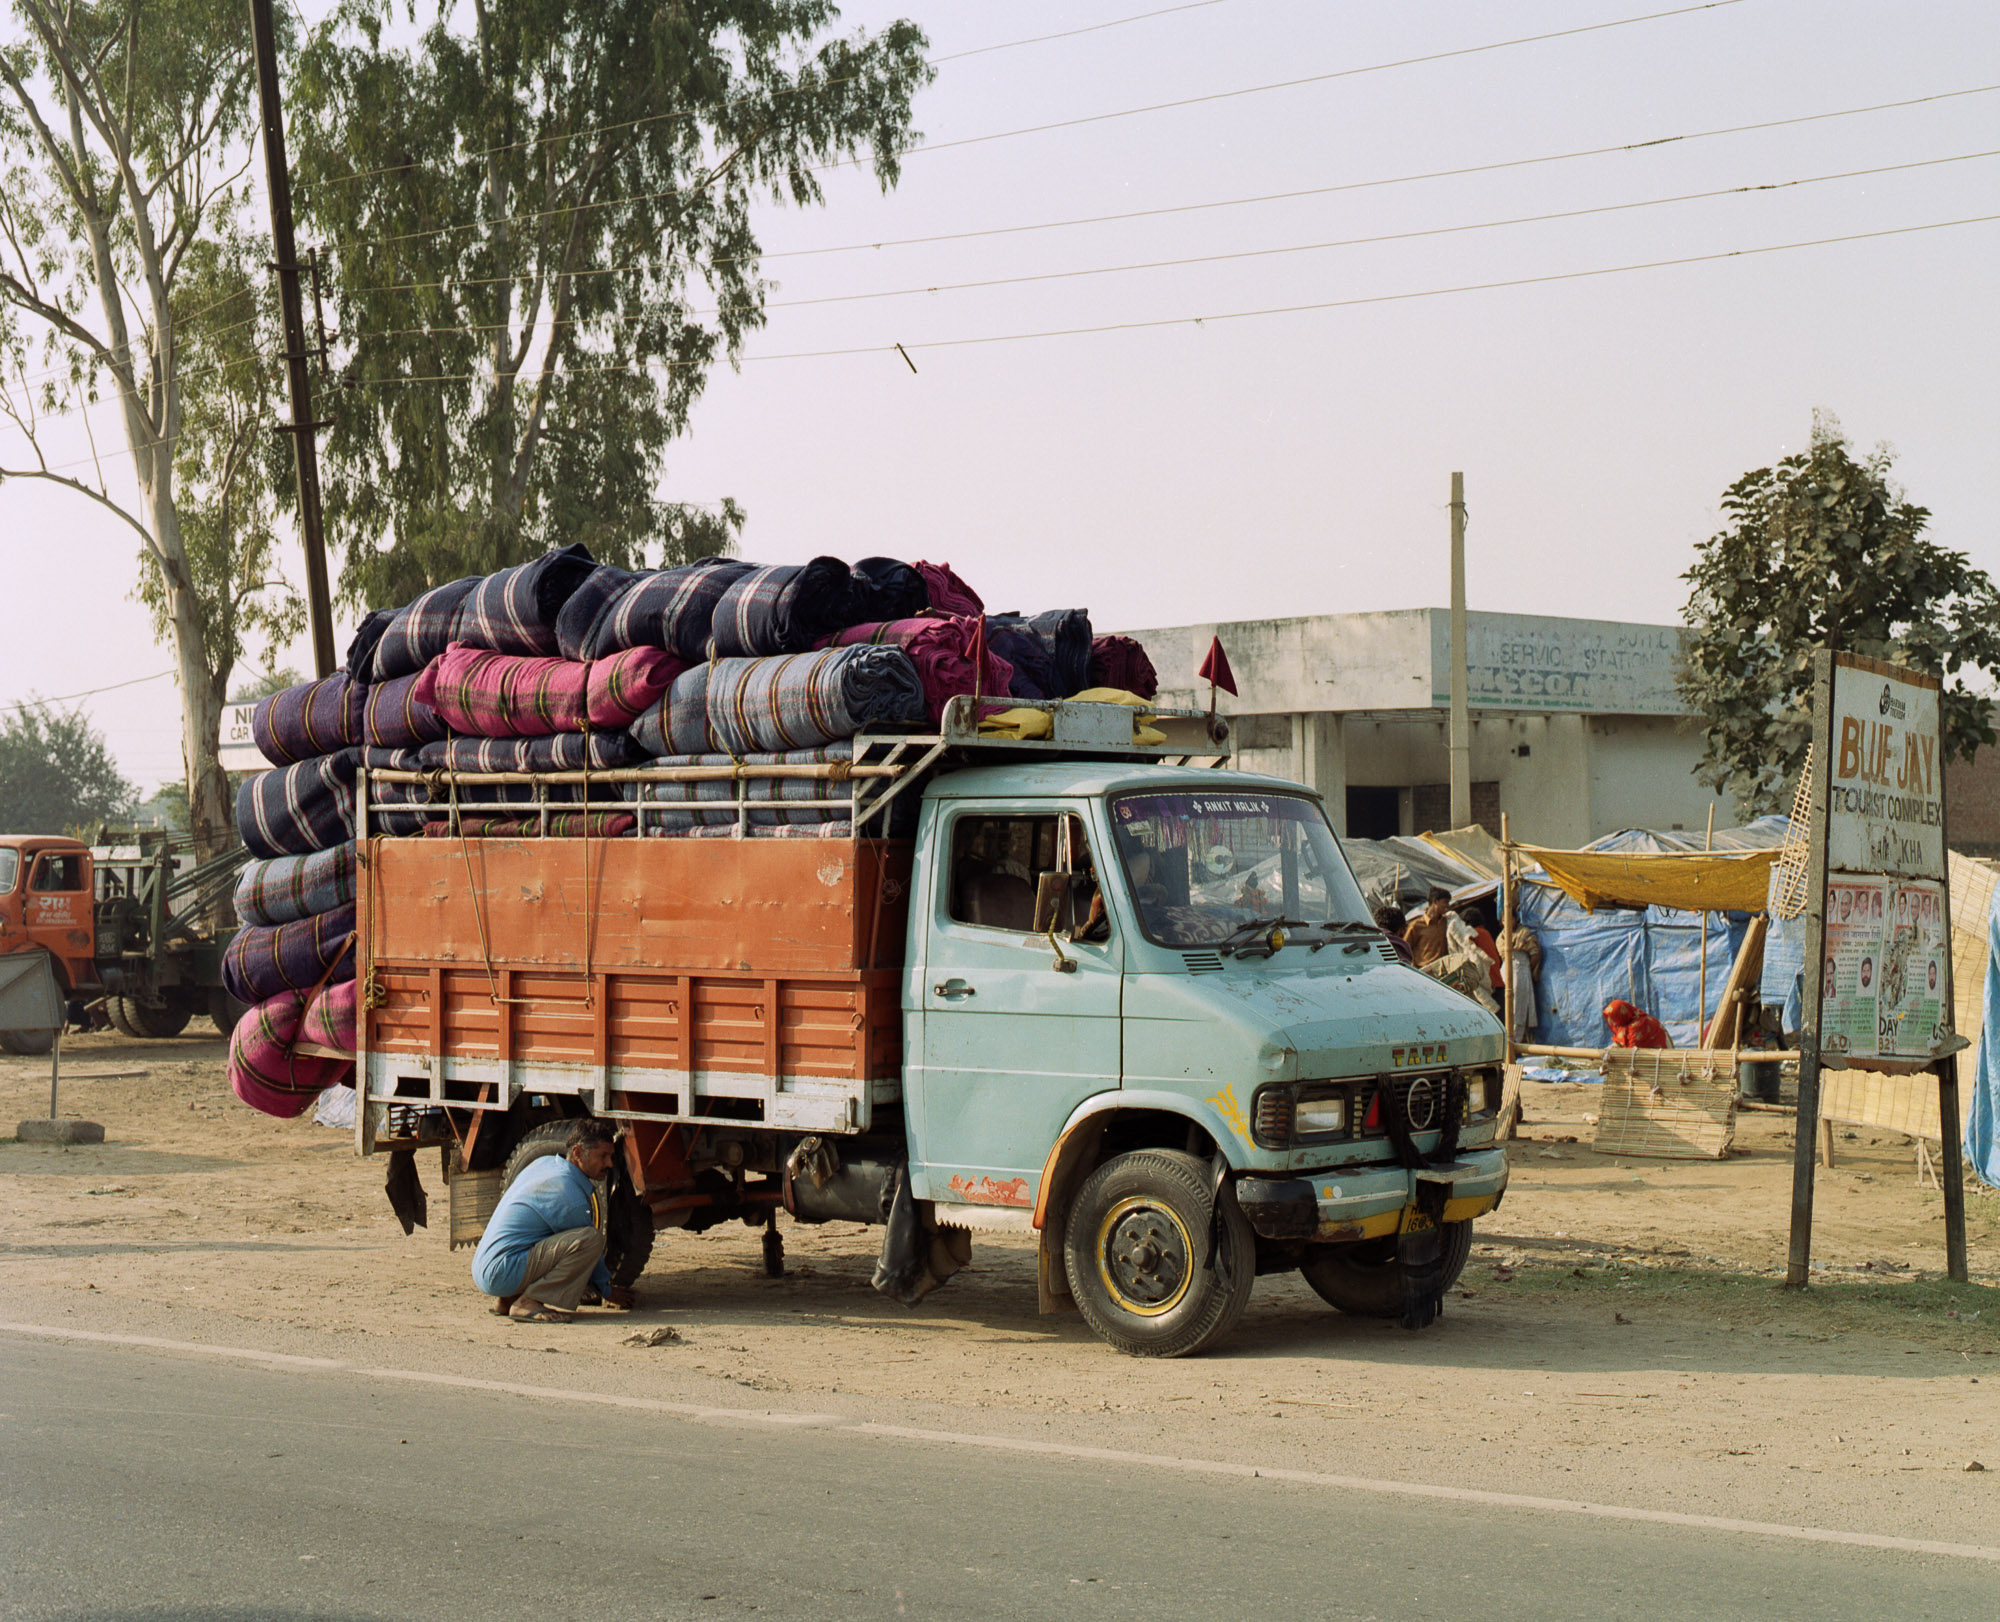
(28, 1044)
(121, 1022)
(224, 1012)
(1137, 1253)
(147, 1023)
(628, 1220)
(1366, 1281)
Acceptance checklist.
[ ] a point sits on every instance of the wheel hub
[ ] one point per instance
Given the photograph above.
(1145, 1256)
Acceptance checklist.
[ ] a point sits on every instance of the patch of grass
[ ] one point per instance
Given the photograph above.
(1934, 1313)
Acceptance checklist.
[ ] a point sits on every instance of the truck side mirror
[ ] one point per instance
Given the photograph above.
(1051, 890)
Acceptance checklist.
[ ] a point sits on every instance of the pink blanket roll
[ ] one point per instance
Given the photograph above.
(499, 695)
(266, 1073)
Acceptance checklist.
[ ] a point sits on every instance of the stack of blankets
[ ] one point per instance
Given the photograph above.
(566, 665)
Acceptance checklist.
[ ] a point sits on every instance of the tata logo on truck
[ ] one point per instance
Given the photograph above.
(1401, 1058)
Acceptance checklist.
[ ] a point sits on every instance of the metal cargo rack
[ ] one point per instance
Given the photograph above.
(884, 764)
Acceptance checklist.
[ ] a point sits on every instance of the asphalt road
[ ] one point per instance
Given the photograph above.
(142, 1483)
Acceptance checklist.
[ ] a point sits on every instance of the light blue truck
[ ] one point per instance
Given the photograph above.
(1112, 996)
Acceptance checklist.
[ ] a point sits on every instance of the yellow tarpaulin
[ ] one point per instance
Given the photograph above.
(1725, 882)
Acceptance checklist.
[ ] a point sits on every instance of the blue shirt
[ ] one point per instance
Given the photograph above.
(549, 1197)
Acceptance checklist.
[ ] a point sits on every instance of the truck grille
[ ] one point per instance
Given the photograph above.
(1203, 962)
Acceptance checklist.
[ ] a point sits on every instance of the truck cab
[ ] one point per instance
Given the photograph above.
(1200, 981)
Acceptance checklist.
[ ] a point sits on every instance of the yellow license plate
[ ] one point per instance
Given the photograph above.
(1417, 1222)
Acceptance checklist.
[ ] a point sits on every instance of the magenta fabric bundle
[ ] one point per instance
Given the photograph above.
(498, 695)
(329, 1018)
(948, 594)
(889, 633)
(942, 652)
(264, 1071)
(1118, 661)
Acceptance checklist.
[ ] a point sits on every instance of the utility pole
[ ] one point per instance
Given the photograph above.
(1461, 713)
(303, 427)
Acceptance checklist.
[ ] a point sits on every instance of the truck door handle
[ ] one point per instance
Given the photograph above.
(952, 988)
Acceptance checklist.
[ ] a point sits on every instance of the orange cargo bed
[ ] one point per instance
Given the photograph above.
(725, 981)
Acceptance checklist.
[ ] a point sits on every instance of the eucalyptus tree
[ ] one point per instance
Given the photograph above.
(128, 277)
(537, 219)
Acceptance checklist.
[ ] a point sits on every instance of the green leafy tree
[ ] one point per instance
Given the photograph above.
(1822, 550)
(126, 276)
(526, 216)
(56, 775)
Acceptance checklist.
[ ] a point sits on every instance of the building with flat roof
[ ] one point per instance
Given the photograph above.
(1578, 729)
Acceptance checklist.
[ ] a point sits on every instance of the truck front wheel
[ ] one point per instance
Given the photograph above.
(145, 1022)
(1155, 1269)
(1365, 1280)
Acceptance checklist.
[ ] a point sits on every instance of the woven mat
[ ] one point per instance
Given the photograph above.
(1667, 1103)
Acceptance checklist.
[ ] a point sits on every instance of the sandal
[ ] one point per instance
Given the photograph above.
(542, 1315)
(503, 1305)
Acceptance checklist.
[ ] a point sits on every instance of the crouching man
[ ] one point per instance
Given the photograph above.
(544, 1245)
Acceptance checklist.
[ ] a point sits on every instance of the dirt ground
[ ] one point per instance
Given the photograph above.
(1620, 1328)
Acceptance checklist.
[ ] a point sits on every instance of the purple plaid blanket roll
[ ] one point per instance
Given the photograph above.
(885, 589)
(360, 660)
(841, 829)
(515, 610)
(1118, 661)
(1065, 633)
(783, 608)
(577, 623)
(1034, 672)
(562, 752)
(793, 701)
(672, 609)
(391, 717)
(265, 959)
(419, 631)
(264, 1071)
(885, 633)
(281, 889)
(498, 695)
(296, 810)
(769, 794)
(562, 825)
(313, 718)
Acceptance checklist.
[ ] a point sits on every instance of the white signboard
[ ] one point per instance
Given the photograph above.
(239, 749)
(1885, 785)
(1534, 662)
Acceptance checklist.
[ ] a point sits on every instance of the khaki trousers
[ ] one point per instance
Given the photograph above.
(559, 1267)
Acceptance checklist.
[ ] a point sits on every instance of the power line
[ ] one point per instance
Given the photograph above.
(1234, 202)
(88, 692)
(1201, 320)
(1252, 253)
(1059, 124)
(819, 84)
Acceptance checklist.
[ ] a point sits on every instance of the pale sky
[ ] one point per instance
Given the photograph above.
(1299, 463)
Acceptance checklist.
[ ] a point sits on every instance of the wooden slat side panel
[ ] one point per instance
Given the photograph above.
(729, 1025)
(471, 1020)
(403, 1023)
(552, 1022)
(821, 1029)
(645, 1020)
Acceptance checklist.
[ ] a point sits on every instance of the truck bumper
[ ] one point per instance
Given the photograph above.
(1368, 1202)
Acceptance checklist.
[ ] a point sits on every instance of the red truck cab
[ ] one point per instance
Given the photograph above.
(47, 903)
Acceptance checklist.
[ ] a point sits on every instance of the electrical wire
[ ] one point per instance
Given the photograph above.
(1040, 129)
(1072, 33)
(88, 692)
(1238, 254)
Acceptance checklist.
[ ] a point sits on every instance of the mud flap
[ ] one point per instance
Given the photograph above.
(1420, 1255)
(406, 1191)
(916, 1257)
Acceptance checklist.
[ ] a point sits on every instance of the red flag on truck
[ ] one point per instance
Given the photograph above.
(1215, 668)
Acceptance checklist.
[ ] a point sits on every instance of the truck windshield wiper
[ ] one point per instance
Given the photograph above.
(1259, 932)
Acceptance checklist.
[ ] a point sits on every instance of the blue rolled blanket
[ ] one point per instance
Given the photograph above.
(783, 608)
(296, 810)
(283, 889)
(515, 610)
(792, 701)
(672, 609)
(419, 631)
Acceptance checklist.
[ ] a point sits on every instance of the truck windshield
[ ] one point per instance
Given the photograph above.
(1202, 865)
(10, 869)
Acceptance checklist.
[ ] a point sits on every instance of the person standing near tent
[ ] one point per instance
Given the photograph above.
(1476, 916)
(1427, 933)
(1521, 964)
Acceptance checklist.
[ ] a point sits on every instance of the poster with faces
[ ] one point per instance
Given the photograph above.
(1912, 1014)
(1857, 914)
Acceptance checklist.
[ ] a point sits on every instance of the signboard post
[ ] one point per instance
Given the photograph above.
(1878, 992)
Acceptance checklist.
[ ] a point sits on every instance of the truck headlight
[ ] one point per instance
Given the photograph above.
(1321, 1116)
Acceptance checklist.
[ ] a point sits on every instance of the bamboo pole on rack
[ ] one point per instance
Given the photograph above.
(1701, 1003)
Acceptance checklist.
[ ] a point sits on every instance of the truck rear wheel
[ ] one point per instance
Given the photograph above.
(1137, 1252)
(224, 1011)
(28, 1044)
(628, 1220)
(145, 1022)
(1366, 1281)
